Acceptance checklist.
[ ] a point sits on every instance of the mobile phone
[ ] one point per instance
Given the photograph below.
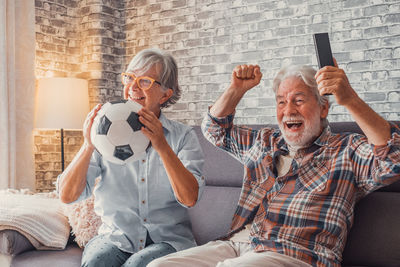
(323, 49)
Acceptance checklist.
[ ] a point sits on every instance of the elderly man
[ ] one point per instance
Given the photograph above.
(143, 204)
(301, 182)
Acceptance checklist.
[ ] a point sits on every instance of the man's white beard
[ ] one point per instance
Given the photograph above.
(311, 130)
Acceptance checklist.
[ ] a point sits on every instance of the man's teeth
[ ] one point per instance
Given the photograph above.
(138, 98)
(294, 124)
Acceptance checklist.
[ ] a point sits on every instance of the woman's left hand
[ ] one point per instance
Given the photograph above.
(153, 129)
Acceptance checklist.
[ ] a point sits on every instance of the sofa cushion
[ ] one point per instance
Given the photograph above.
(13, 243)
(211, 217)
(69, 257)
(217, 159)
(374, 239)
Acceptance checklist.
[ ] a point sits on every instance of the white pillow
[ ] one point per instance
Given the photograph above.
(83, 220)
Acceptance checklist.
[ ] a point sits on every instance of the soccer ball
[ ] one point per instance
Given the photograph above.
(116, 134)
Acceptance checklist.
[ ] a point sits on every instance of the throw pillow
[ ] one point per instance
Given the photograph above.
(83, 220)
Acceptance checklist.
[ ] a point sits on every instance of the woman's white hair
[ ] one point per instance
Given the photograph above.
(307, 74)
(147, 58)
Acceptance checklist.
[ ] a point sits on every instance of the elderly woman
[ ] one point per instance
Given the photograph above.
(143, 205)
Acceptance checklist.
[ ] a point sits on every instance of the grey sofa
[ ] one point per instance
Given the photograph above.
(374, 239)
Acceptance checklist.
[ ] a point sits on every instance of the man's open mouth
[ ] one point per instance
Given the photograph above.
(293, 124)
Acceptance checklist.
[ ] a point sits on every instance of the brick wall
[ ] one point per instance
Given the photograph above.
(95, 40)
(83, 39)
(210, 37)
(47, 150)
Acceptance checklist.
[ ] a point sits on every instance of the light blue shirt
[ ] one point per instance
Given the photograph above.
(137, 198)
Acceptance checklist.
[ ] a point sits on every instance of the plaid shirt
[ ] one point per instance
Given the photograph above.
(307, 213)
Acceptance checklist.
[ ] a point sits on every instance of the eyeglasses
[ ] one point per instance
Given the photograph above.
(143, 82)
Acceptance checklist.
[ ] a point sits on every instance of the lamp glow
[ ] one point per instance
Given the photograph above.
(61, 103)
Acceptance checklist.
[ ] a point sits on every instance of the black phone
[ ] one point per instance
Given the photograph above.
(323, 49)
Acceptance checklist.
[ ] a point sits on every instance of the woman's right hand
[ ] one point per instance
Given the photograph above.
(87, 125)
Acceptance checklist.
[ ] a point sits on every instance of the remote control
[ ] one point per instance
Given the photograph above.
(323, 50)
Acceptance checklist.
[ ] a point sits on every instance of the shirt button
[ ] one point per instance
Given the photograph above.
(143, 160)
(145, 220)
(141, 240)
(142, 180)
(140, 247)
(143, 201)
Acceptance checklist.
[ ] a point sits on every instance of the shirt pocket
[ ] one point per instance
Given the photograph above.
(161, 177)
(313, 176)
(259, 168)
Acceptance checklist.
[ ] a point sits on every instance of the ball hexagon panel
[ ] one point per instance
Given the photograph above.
(135, 107)
(103, 109)
(118, 111)
(119, 133)
(139, 142)
(103, 145)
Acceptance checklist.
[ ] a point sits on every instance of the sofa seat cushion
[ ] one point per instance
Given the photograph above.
(69, 257)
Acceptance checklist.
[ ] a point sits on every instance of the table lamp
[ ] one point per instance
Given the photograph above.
(61, 103)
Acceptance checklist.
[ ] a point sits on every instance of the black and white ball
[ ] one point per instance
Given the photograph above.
(116, 132)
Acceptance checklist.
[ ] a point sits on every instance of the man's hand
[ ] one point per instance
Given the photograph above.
(245, 77)
(153, 129)
(334, 81)
(87, 125)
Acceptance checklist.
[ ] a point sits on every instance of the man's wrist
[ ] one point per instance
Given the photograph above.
(236, 92)
(355, 103)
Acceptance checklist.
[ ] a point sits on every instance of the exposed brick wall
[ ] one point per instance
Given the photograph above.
(100, 26)
(209, 38)
(95, 40)
(83, 39)
(47, 152)
(57, 45)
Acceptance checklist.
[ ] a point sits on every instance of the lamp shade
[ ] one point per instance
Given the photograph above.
(61, 103)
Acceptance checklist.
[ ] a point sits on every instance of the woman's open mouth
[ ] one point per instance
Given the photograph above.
(137, 97)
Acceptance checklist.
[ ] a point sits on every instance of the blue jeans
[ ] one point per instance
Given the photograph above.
(100, 252)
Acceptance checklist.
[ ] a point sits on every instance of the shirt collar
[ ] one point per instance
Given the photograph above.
(323, 139)
(165, 122)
